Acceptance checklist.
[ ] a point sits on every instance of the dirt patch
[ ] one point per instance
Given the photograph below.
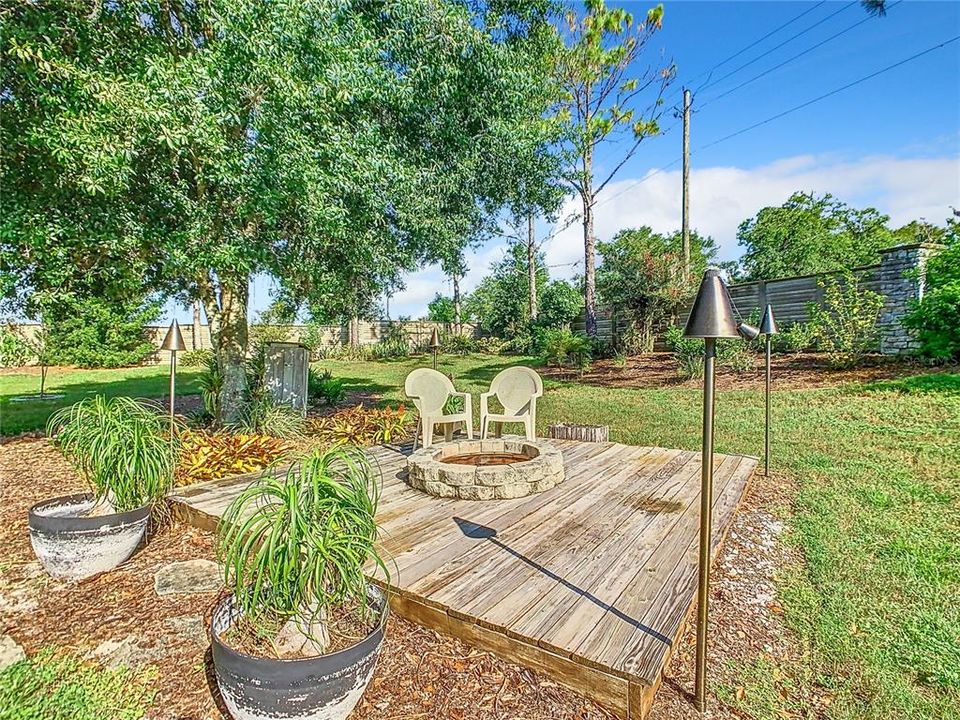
(421, 674)
(806, 370)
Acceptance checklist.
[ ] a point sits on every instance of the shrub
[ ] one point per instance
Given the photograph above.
(562, 347)
(936, 316)
(264, 416)
(796, 338)
(846, 322)
(295, 546)
(490, 345)
(91, 333)
(457, 344)
(209, 456)
(200, 357)
(732, 353)
(210, 381)
(119, 446)
(323, 387)
(15, 350)
(361, 426)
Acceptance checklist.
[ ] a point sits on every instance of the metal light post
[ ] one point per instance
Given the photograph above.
(711, 317)
(435, 346)
(173, 341)
(768, 328)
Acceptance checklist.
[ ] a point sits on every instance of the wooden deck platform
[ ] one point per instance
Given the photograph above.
(590, 582)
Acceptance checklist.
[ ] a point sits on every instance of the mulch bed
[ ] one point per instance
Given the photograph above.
(421, 674)
(789, 372)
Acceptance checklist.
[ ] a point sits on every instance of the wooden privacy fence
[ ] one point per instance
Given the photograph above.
(897, 278)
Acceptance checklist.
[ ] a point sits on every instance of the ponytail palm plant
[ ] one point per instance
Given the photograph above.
(120, 446)
(295, 546)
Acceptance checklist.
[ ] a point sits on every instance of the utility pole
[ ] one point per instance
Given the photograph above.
(686, 183)
(532, 266)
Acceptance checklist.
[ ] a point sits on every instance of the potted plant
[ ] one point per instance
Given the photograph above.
(300, 631)
(121, 448)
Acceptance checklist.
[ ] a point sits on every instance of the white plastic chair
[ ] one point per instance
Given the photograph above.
(429, 391)
(517, 389)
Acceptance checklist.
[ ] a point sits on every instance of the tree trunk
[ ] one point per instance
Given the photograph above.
(589, 269)
(231, 347)
(353, 331)
(457, 324)
(532, 266)
(196, 325)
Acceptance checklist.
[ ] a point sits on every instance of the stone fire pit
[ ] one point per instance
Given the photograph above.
(486, 469)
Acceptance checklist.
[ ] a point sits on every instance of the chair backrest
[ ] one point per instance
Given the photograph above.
(515, 386)
(429, 390)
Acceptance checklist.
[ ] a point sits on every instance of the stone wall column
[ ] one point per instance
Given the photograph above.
(901, 282)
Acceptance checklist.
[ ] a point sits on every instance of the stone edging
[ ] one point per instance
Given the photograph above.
(541, 472)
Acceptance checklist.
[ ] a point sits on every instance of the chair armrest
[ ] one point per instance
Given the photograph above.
(467, 403)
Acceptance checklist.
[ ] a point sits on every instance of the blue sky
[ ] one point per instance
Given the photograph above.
(892, 141)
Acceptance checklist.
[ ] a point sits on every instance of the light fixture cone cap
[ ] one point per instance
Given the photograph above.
(434, 339)
(712, 312)
(174, 338)
(768, 324)
(748, 332)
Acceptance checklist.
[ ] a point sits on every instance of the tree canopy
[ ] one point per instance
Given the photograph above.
(811, 234)
(331, 145)
(642, 278)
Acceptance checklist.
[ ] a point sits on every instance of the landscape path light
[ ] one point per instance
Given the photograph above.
(768, 328)
(173, 341)
(712, 317)
(435, 346)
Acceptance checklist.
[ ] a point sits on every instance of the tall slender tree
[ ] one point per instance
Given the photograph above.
(607, 99)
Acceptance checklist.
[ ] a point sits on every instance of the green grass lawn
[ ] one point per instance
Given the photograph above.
(875, 605)
(142, 382)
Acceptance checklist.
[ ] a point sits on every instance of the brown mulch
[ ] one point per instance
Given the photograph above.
(421, 674)
(789, 372)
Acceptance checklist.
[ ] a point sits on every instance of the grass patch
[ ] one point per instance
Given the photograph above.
(139, 382)
(51, 687)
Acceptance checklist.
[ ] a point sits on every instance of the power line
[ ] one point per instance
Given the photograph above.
(757, 42)
(777, 47)
(798, 55)
(782, 114)
(831, 93)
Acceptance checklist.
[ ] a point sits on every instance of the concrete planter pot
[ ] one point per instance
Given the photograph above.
(73, 547)
(326, 687)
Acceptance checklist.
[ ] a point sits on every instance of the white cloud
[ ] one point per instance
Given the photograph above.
(721, 198)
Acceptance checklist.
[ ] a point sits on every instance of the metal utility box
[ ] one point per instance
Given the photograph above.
(288, 371)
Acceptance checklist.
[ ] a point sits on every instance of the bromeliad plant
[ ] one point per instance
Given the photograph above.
(120, 446)
(294, 547)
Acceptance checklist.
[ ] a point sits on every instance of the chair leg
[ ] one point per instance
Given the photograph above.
(427, 433)
(483, 428)
(468, 426)
(448, 431)
(528, 426)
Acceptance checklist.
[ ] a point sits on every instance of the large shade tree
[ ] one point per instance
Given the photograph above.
(329, 144)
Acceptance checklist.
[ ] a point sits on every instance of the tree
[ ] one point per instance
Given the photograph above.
(560, 304)
(810, 234)
(935, 317)
(499, 303)
(331, 145)
(440, 309)
(600, 105)
(642, 278)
